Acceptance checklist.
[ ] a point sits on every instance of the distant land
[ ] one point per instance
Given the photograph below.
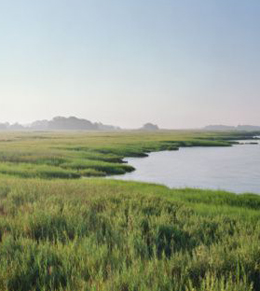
(68, 123)
(60, 123)
(232, 128)
(150, 127)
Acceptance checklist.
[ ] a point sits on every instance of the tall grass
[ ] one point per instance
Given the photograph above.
(62, 233)
(111, 235)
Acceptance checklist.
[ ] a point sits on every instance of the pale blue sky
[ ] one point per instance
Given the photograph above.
(178, 63)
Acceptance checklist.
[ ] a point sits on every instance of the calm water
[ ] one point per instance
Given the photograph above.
(234, 168)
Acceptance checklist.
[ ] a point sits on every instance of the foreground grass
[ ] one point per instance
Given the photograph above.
(100, 234)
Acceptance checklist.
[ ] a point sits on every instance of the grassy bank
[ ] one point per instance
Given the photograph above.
(73, 155)
(112, 235)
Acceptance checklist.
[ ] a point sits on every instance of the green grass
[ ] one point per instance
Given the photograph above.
(112, 235)
(81, 154)
(59, 232)
(105, 167)
(37, 171)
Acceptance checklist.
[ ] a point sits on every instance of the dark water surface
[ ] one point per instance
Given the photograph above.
(235, 169)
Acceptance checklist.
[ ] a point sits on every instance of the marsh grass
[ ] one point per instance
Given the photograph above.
(100, 166)
(62, 233)
(72, 155)
(112, 235)
(37, 171)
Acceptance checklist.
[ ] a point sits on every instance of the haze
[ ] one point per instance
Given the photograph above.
(177, 63)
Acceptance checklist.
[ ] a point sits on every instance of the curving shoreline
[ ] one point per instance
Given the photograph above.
(188, 168)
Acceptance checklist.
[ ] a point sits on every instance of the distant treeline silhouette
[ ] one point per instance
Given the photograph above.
(59, 123)
(68, 123)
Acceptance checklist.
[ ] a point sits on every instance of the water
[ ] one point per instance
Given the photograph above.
(235, 169)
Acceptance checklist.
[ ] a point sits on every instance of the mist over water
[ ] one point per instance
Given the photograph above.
(235, 169)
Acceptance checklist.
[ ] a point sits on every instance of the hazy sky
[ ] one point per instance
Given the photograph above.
(178, 63)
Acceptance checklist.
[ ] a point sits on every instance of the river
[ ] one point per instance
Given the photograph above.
(235, 168)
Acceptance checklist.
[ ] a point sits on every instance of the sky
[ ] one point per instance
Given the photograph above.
(176, 63)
